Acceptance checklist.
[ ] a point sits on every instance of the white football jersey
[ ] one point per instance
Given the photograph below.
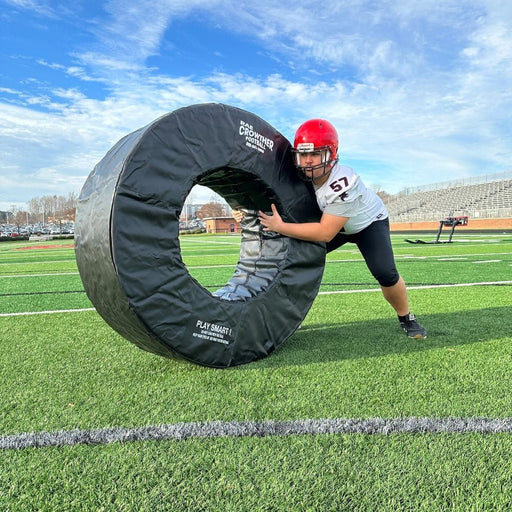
(345, 195)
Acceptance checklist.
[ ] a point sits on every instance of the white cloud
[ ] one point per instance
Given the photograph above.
(426, 97)
(74, 71)
(40, 7)
(134, 30)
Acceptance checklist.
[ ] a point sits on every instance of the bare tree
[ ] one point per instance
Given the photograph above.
(11, 214)
(210, 210)
(20, 218)
(57, 207)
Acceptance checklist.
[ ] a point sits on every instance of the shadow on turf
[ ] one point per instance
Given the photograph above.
(321, 343)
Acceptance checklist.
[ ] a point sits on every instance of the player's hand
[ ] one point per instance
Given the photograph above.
(238, 215)
(271, 222)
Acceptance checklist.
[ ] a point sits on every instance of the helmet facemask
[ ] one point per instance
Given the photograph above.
(306, 172)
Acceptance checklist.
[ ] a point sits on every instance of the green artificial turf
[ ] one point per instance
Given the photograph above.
(65, 371)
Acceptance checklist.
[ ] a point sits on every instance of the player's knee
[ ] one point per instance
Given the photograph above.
(388, 279)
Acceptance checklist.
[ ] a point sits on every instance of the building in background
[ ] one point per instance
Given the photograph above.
(225, 225)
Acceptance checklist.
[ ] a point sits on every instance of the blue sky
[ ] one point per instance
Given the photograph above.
(419, 91)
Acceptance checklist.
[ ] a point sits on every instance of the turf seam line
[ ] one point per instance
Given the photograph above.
(213, 429)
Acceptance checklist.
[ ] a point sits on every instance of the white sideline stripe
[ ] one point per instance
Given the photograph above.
(182, 431)
(28, 313)
(487, 283)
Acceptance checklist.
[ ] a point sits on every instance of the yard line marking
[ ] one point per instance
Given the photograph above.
(487, 261)
(43, 275)
(211, 266)
(422, 287)
(37, 262)
(399, 257)
(211, 429)
(28, 313)
(410, 257)
(365, 290)
(212, 255)
(199, 243)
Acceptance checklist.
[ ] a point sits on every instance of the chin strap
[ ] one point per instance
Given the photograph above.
(327, 166)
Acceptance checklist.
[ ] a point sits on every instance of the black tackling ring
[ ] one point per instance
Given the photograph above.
(127, 237)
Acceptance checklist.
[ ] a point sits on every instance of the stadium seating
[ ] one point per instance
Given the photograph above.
(489, 198)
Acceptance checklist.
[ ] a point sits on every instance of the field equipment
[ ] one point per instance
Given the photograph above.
(128, 250)
(448, 221)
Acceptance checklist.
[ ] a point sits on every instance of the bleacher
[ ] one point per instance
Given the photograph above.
(482, 197)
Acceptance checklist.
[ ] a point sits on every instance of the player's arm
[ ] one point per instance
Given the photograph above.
(323, 231)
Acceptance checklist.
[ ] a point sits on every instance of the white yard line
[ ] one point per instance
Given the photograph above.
(42, 275)
(213, 429)
(436, 257)
(334, 292)
(37, 262)
(52, 312)
(423, 287)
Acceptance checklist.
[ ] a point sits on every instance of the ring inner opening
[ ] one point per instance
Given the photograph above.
(248, 258)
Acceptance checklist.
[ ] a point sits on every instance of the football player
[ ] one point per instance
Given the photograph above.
(352, 213)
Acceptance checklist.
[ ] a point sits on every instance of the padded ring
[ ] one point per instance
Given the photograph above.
(127, 237)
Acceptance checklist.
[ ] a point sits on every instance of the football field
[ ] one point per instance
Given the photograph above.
(348, 414)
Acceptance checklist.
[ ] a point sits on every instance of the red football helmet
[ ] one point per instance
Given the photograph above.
(316, 136)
